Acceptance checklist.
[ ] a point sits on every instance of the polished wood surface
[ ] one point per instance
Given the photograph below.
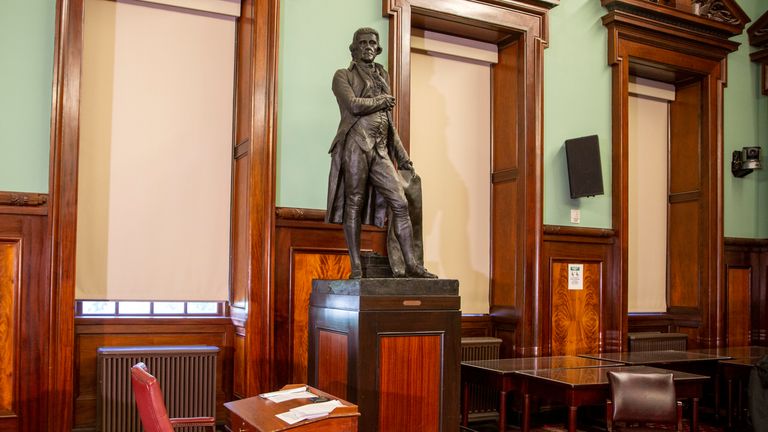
(22, 199)
(758, 37)
(589, 386)
(656, 357)
(24, 312)
(332, 362)
(409, 396)
(10, 251)
(520, 31)
(256, 414)
(738, 306)
(752, 254)
(736, 352)
(306, 249)
(307, 267)
(575, 313)
(595, 249)
(93, 333)
(512, 365)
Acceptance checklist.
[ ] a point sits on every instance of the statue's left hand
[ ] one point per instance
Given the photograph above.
(406, 165)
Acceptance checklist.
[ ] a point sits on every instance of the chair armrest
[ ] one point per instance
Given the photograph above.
(679, 416)
(192, 422)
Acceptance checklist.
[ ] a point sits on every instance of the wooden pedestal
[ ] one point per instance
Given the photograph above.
(392, 346)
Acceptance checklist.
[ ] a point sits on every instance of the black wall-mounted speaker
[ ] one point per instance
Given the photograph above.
(585, 174)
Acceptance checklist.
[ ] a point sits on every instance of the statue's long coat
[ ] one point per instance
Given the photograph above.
(354, 93)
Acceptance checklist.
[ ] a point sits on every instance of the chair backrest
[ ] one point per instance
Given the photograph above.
(149, 400)
(639, 397)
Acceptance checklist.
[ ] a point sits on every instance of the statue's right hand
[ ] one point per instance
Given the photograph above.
(389, 101)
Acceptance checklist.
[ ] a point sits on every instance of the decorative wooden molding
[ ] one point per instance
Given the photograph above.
(292, 213)
(758, 36)
(564, 230)
(746, 244)
(23, 199)
(720, 18)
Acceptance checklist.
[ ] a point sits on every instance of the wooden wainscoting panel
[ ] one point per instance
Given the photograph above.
(738, 316)
(238, 385)
(418, 407)
(333, 362)
(306, 267)
(575, 313)
(504, 232)
(684, 260)
(92, 333)
(9, 291)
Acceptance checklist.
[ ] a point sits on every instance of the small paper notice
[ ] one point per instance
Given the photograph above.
(309, 411)
(575, 276)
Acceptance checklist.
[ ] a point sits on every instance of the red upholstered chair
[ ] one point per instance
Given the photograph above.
(149, 401)
(638, 398)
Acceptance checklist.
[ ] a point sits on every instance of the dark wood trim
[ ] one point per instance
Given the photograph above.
(684, 197)
(292, 213)
(735, 243)
(65, 130)
(262, 19)
(758, 37)
(476, 325)
(563, 232)
(642, 41)
(505, 175)
(242, 149)
(23, 199)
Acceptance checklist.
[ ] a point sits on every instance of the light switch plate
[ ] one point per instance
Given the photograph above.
(575, 216)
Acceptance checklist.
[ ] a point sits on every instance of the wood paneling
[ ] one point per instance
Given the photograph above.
(332, 362)
(575, 313)
(739, 320)
(93, 333)
(418, 407)
(683, 263)
(306, 249)
(476, 325)
(587, 320)
(9, 325)
(24, 312)
(306, 267)
(748, 256)
(238, 388)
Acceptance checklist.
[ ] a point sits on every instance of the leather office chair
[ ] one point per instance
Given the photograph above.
(638, 398)
(149, 401)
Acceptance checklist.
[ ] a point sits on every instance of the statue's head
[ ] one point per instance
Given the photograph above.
(365, 45)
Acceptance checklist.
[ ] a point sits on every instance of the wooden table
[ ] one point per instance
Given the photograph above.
(589, 386)
(670, 359)
(256, 414)
(500, 374)
(733, 371)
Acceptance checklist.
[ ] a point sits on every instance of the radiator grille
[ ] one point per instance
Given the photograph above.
(655, 341)
(187, 376)
(483, 402)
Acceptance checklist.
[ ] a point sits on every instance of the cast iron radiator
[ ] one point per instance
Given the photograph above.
(187, 376)
(657, 341)
(483, 402)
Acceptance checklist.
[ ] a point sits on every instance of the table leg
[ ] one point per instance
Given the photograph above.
(730, 403)
(739, 404)
(464, 403)
(572, 418)
(695, 420)
(717, 396)
(526, 412)
(502, 411)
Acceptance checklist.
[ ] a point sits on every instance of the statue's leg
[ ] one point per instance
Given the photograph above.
(355, 169)
(384, 179)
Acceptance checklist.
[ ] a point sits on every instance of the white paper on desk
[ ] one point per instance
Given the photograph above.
(282, 392)
(291, 418)
(308, 411)
(289, 396)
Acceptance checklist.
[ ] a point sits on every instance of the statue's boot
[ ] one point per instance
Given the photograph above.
(352, 235)
(404, 234)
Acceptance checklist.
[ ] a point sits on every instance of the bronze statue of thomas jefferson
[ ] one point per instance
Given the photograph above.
(363, 180)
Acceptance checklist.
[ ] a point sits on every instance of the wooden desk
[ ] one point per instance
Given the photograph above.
(589, 386)
(256, 414)
(667, 358)
(499, 374)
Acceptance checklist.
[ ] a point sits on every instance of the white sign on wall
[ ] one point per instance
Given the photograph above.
(575, 276)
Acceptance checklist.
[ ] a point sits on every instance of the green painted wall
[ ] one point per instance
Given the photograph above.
(577, 102)
(314, 43)
(746, 124)
(26, 50)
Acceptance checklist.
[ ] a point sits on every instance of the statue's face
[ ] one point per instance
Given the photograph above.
(367, 47)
